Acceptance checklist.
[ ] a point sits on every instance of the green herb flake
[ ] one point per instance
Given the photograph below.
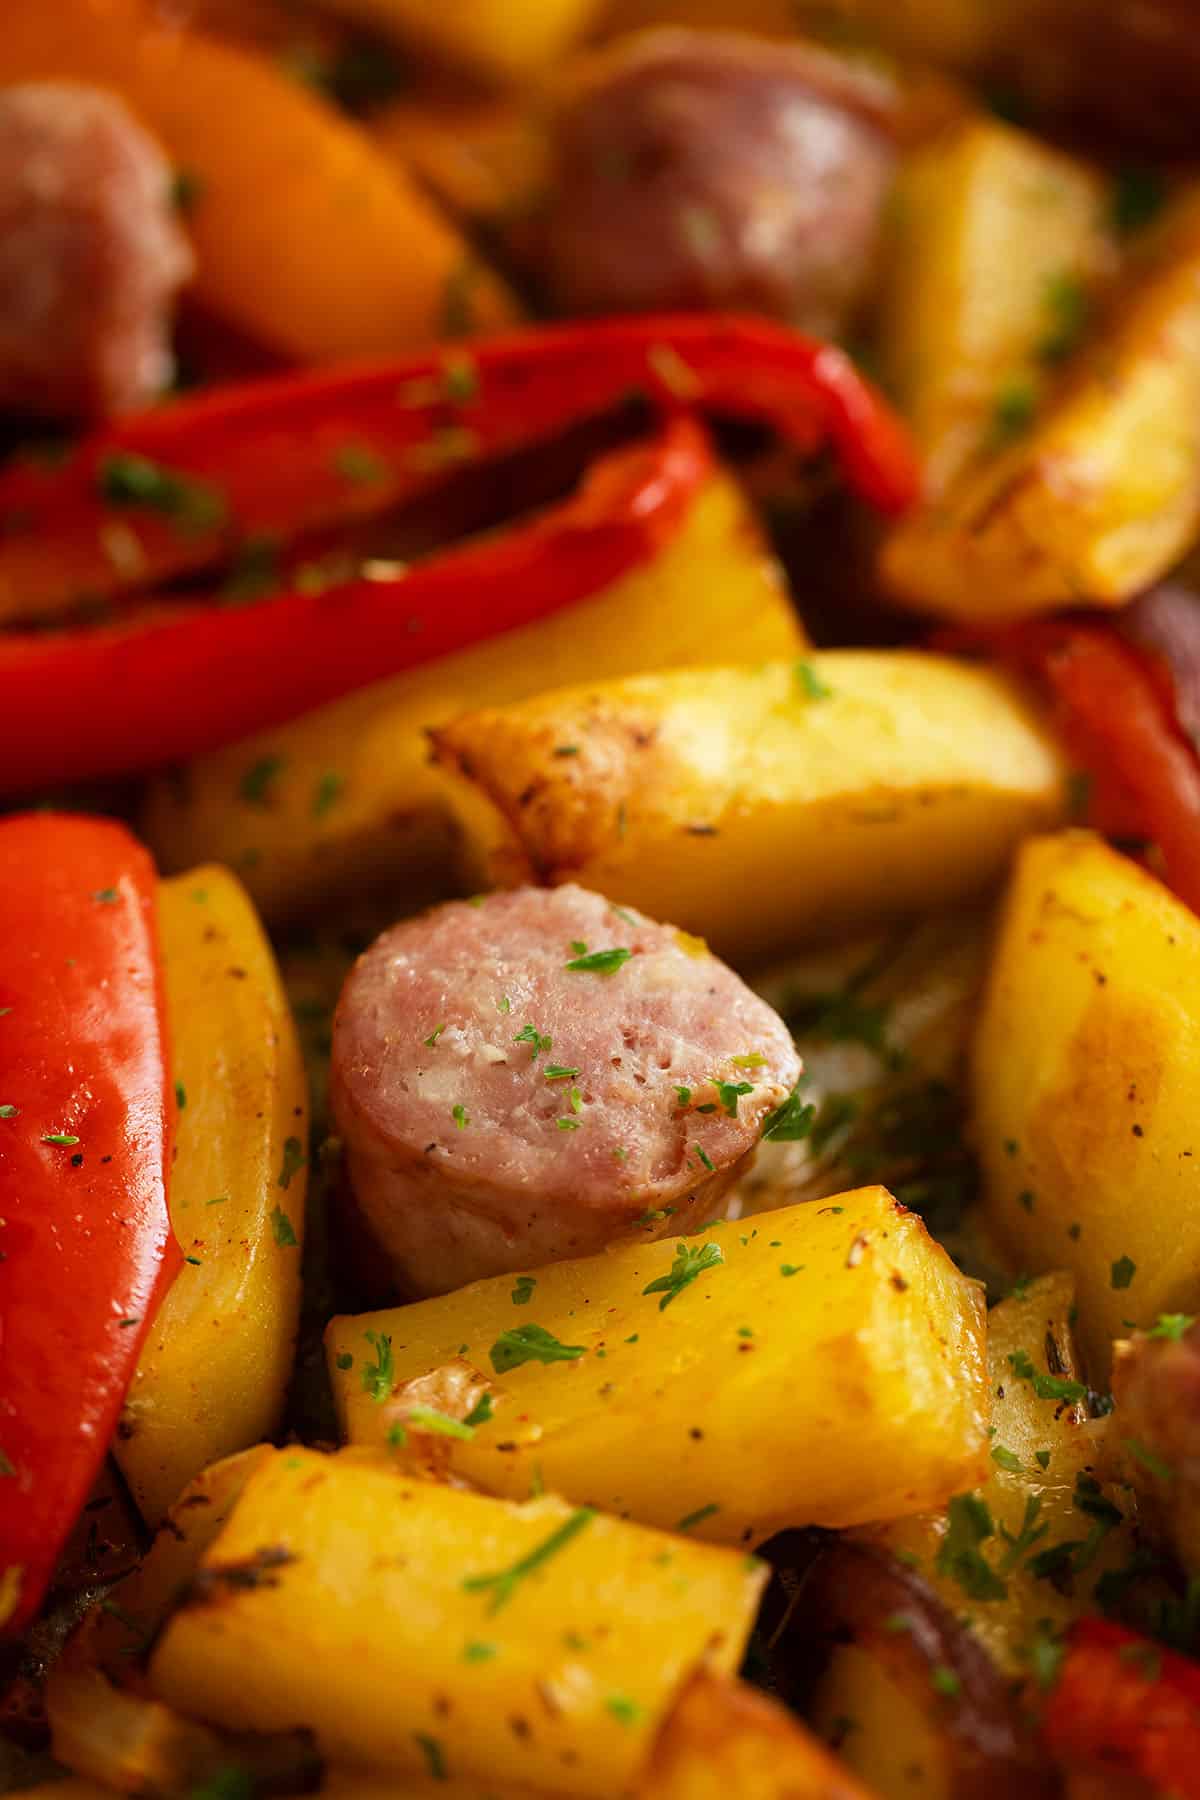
(461, 1117)
(1172, 1326)
(627, 1712)
(705, 1158)
(475, 1652)
(1068, 307)
(792, 1268)
(791, 1121)
(327, 791)
(106, 896)
(969, 1525)
(503, 1584)
(379, 1376)
(944, 1681)
(281, 1225)
(431, 1419)
(530, 1343)
(556, 1072)
(126, 479)
(187, 189)
(434, 1755)
(522, 1292)
(599, 962)
(1006, 1459)
(481, 1412)
(344, 1360)
(434, 1035)
(567, 1124)
(688, 1265)
(259, 779)
(684, 1095)
(692, 1519)
(730, 1092)
(358, 463)
(180, 1095)
(294, 1160)
(1042, 1458)
(60, 1137)
(529, 1034)
(809, 682)
(1123, 1272)
(8, 1111)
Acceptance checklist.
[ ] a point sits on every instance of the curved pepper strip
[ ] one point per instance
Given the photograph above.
(176, 490)
(112, 699)
(1114, 711)
(1124, 1703)
(85, 1126)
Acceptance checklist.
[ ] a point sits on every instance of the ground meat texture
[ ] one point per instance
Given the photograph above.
(501, 1110)
(1156, 1389)
(91, 254)
(704, 169)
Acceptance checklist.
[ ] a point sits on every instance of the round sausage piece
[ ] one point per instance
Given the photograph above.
(1156, 1386)
(91, 254)
(706, 169)
(506, 1102)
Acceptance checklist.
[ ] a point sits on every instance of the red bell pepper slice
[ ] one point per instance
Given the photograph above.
(189, 481)
(85, 1125)
(112, 699)
(1116, 716)
(1124, 1703)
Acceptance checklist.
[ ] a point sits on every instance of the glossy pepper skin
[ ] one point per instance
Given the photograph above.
(175, 490)
(86, 1115)
(1123, 1703)
(186, 678)
(1117, 719)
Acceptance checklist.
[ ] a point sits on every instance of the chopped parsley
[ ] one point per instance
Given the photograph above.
(379, 1377)
(461, 1116)
(8, 1111)
(434, 1755)
(1042, 1458)
(809, 682)
(530, 1343)
(481, 1412)
(357, 463)
(523, 1290)
(688, 1265)
(529, 1034)
(1006, 1459)
(1069, 309)
(476, 1652)
(684, 1095)
(60, 1137)
(126, 479)
(344, 1360)
(968, 1525)
(1013, 412)
(705, 1158)
(256, 784)
(626, 1711)
(944, 1681)
(327, 792)
(791, 1121)
(294, 1160)
(792, 1268)
(599, 962)
(555, 1072)
(1123, 1272)
(503, 1584)
(698, 1517)
(429, 1418)
(281, 1225)
(434, 1035)
(180, 1095)
(1172, 1326)
(106, 896)
(730, 1092)
(567, 1124)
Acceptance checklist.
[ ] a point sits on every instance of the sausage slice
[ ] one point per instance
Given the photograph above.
(91, 254)
(522, 1078)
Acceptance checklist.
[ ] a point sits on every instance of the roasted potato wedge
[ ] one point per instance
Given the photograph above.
(1102, 495)
(886, 1737)
(1028, 1566)
(412, 1626)
(214, 1370)
(994, 247)
(839, 791)
(722, 1738)
(657, 1412)
(1085, 1068)
(344, 799)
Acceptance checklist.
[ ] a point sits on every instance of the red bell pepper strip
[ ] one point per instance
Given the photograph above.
(85, 1124)
(1124, 1703)
(174, 490)
(112, 699)
(1115, 714)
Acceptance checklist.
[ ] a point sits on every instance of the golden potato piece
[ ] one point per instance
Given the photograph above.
(885, 1735)
(1045, 1469)
(661, 1405)
(344, 798)
(994, 245)
(415, 1627)
(1084, 1083)
(215, 1367)
(1102, 495)
(723, 1739)
(760, 806)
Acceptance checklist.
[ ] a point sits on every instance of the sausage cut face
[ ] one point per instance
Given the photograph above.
(522, 1078)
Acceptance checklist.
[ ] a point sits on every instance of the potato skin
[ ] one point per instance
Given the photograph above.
(664, 1415)
(215, 1367)
(1085, 1069)
(1102, 496)
(388, 825)
(359, 1630)
(840, 792)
